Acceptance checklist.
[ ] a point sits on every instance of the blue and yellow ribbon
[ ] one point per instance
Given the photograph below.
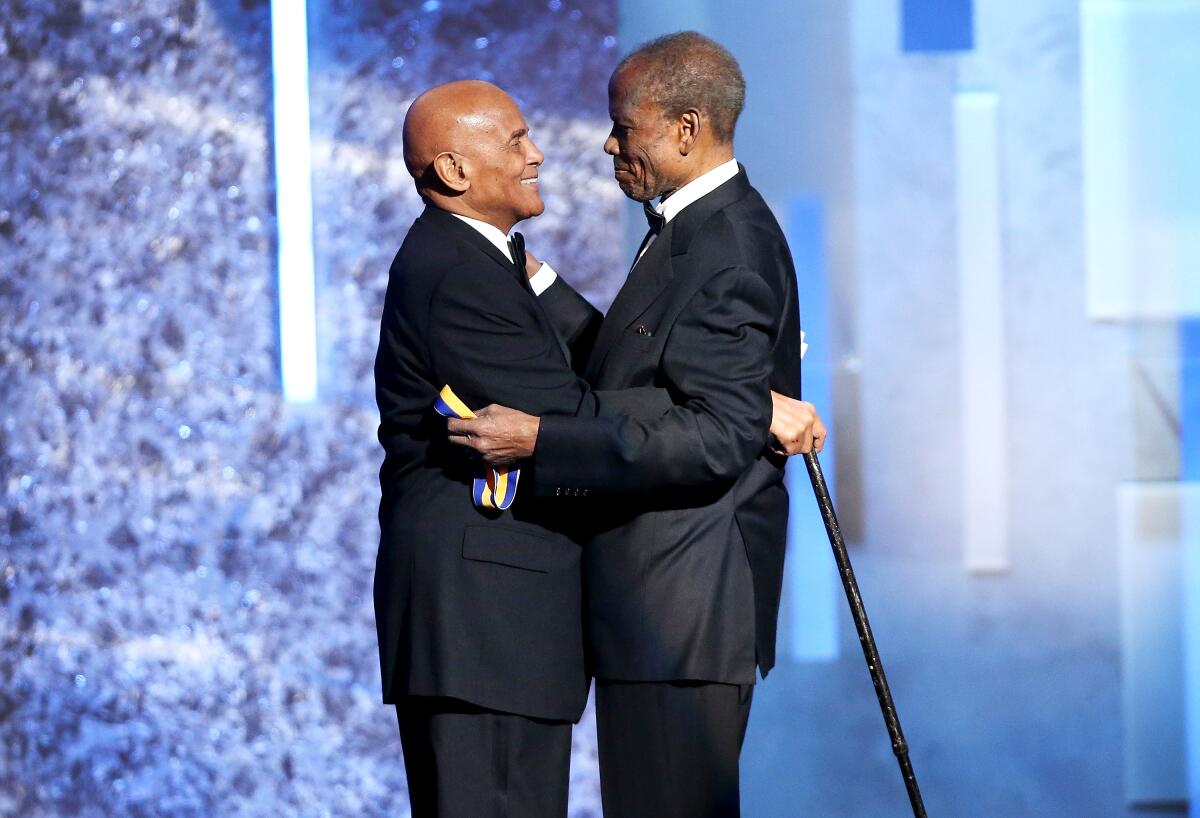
(496, 489)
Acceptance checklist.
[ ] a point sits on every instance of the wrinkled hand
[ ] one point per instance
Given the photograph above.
(532, 265)
(795, 426)
(502, 436)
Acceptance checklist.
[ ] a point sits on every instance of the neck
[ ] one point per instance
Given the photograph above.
(704, 162)
(463, 208)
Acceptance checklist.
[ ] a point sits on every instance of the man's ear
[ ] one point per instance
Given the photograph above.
(689, 125)
(450, 169)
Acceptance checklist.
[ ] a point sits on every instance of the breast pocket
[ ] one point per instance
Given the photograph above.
(634, 358)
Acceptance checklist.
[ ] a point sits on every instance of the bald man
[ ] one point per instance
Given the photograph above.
(478, 613)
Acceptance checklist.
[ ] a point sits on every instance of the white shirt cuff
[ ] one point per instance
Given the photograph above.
(542, 279)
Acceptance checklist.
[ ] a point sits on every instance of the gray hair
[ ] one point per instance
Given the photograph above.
(688, 70)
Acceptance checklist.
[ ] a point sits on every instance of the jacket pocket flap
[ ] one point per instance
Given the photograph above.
(517, 548)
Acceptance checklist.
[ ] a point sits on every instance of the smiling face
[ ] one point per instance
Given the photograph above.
(501, 162)
(643, 142)
(469, 152)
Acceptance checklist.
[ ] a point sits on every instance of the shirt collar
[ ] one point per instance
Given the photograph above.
(490, 232)
(701, 186)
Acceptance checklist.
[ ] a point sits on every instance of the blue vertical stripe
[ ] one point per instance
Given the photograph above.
(1189, 493)
(937, 25)
(1189, 458)
(811, 591)
(1189, 398)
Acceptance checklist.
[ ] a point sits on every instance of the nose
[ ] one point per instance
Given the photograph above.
(610, 145)
(533, 156)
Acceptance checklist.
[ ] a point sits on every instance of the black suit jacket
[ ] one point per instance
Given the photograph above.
(477, 606)
(685, 584)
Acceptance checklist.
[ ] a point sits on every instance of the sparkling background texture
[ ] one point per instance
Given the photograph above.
(187, 560)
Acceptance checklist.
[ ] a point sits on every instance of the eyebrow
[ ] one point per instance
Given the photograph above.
(517, 134)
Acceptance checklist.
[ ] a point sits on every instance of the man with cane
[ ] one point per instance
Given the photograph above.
(670, 579)
(682, 587)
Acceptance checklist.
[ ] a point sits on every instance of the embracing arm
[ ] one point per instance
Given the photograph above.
(717, 361)
(574, 318)
(725, 326)
(489, 346)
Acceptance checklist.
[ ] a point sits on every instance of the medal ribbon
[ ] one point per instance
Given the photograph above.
(497, 488)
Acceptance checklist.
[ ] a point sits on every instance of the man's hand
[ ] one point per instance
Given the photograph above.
(502, 436)
(795, 426)
(532, 265)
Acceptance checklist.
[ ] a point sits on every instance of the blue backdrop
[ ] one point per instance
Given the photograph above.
(186, 557)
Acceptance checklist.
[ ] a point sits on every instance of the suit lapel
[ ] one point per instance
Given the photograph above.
(649, 276)
(463, 232)
(653, 272)
(692, 218)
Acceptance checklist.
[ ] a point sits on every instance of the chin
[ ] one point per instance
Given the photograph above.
(533, 211)
(638, 194)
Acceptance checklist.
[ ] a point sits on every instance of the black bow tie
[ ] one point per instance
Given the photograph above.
(655, 219)
(517, 245)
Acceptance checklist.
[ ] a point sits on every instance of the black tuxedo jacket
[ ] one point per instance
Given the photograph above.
(473, 605)
(685, 583)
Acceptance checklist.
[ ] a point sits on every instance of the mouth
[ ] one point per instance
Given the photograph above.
(532, 181)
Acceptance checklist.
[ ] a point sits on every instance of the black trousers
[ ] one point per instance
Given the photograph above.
(670, 748)
(464, 761)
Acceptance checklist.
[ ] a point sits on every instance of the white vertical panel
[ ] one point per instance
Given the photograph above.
(1141, 123)
(981, 308)
(293, 203)
(1152, 683)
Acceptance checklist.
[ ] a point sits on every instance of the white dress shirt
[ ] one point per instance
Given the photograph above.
(701, 186)
(540, 280)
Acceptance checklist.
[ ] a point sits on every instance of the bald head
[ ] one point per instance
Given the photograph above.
(467, 147)
(446, 118)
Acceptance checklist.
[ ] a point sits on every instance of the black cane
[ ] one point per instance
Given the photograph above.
(865, 638)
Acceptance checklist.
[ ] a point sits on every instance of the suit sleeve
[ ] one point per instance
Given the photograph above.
(488, 344)
(716, 364)
(574, 318)
(645, 403)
